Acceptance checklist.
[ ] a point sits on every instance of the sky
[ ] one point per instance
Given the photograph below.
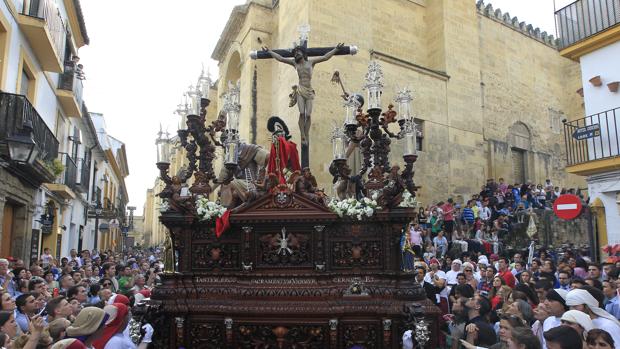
(143, 54)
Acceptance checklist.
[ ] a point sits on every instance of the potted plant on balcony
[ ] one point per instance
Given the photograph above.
(55, 166)
(613, 86)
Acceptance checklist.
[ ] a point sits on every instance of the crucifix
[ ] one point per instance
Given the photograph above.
(303, 60)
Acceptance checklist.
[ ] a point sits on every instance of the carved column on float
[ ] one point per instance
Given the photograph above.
(333, 333)
(179, 322)
(319, 263)
(228, 324)
(247, 258)
(387, 333)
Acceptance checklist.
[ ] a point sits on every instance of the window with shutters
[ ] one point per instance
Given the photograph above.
(27, 78)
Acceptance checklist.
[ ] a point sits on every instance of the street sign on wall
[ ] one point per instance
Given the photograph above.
(586, 132)
(567, 206)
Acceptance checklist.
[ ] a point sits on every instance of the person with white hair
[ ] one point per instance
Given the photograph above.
(582, 300)
(452, 274)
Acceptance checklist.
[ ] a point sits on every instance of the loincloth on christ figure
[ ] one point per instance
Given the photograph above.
(297, 90)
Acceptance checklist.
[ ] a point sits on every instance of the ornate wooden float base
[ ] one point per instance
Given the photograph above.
(288, 274)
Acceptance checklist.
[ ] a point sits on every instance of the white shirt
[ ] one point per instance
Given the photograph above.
(485, 213)
(609, 326)
(119, 341)
(46, 259)
(441, 275)
(550, 322)
(77, 260)
(451, 278)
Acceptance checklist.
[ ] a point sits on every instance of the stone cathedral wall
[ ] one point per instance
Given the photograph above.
(474, 71)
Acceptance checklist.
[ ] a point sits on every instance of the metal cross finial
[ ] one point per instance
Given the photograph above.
(283, 243)
(303, 30)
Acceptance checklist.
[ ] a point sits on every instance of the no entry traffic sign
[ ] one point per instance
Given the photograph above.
(567, 206)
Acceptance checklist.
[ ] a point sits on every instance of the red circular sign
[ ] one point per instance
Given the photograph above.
(567, 206)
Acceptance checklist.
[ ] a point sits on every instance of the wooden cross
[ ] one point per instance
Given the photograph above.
(288, 56)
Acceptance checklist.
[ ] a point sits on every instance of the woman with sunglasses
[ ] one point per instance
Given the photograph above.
(106, 283)
(469, 271)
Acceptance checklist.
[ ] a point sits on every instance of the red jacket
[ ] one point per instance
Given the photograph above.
(508, 278)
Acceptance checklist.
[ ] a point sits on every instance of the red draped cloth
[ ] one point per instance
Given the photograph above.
(222, 224)
(283, 154)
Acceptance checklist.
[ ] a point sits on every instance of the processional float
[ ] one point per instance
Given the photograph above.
(270, 260)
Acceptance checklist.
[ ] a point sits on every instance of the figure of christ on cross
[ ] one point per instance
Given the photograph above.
(303, 94)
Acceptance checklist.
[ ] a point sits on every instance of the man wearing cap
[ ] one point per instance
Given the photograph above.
(451, 275)
(555, 303)
(582, 300)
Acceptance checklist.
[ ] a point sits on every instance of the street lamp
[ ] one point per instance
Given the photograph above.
(98, 211)
(22, 148)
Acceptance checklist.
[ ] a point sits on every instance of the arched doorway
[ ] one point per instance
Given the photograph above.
(519, 139)
(233, 70)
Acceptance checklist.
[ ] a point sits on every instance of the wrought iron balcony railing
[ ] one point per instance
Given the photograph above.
(83, 170)
(595, 137)
(69, 176)
(71, 80)
(15, 110)
(49, 12)
(584, 18)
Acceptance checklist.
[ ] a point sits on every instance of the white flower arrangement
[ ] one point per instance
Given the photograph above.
(207, 210)
(353, 208)
(408, 200)
(164, 206)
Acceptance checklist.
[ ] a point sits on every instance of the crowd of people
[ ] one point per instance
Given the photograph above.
(489, 297)
(80, 301)
(481, 223)
(519, 299)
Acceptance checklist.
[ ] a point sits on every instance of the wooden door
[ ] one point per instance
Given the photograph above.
(518, 165)
(7, 230)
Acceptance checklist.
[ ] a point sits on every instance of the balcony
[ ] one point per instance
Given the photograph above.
(42, 24)
(69, 91)
(578, 26)
(65, 184)
(15, 110)
(83, 175)
(593, 143)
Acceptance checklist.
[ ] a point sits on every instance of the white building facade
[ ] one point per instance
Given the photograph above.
(589, 32)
